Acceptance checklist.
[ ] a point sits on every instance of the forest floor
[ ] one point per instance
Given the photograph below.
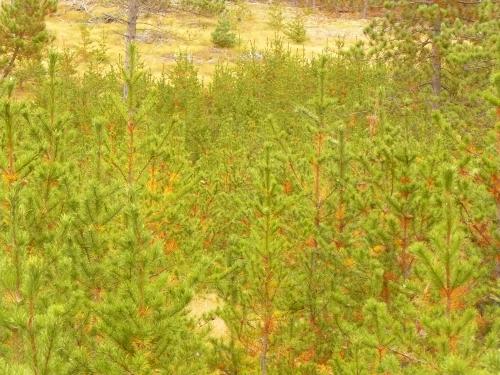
(162, 37)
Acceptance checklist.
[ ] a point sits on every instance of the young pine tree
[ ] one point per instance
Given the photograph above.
(254, 309)
(447, 266)
(36, 297)
(141, 318)
(23, 34)
(421, 35)
(313, 172)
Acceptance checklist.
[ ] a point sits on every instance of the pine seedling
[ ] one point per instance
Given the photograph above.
(425, 36)
(223, 36)
(34, 315)
(23, 34)
(316, 261)
(254, 313)
(276, 17)
(447, 267)
(296, 30)
(141, 314)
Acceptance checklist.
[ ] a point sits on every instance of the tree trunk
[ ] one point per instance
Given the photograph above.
(10, 66)
(263, 354)
(132, 16)
(365, 8)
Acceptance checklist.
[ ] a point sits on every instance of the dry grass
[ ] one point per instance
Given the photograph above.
(188, 33)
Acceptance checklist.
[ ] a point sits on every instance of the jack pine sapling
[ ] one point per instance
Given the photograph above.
(142, 297)
(296, 30)
(424, 35)
(23, 34)
(254, 317)
(276, 17)
(34, 317)
(223, 36)
(448, 268)
(316, 183)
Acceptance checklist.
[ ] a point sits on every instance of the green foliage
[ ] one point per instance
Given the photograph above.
(240, 12)
(340, 226)
(223, 36)
(276, 17)
(296, 30)
(205, 7)
(22, 31)
(448, 47)
(254, 298)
